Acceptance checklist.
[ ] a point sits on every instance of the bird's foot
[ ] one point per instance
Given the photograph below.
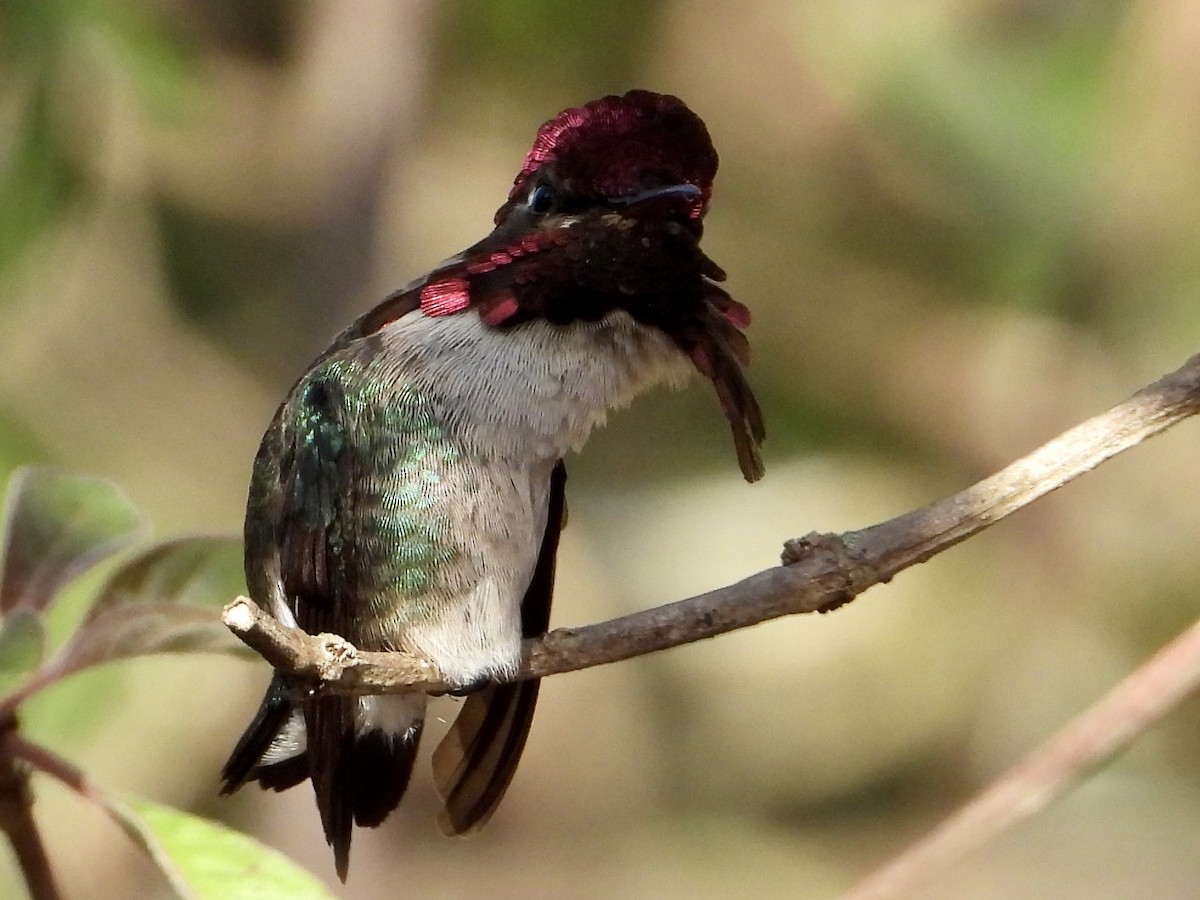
(471, 687)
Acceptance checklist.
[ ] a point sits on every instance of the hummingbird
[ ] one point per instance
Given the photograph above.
(409, 492)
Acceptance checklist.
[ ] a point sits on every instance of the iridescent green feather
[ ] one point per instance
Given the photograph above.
(402, 522)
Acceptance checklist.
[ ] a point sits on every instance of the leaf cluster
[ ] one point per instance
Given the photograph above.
(161, 597)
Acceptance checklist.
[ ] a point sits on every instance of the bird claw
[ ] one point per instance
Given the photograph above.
(472, 687)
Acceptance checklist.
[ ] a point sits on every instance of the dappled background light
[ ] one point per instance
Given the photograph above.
(961, 225)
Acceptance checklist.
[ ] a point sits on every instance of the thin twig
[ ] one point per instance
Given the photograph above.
(820, 572)
(39, 758)
(50, 763)
(1096, 736)
(18, 824)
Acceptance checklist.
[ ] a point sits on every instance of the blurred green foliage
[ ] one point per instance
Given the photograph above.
(46, 46)
(165, 599)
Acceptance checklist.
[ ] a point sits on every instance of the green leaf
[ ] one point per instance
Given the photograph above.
(167, 599)
(196, 571)
(202, 859)
(22, 642)
(127, 632)
(56, 526)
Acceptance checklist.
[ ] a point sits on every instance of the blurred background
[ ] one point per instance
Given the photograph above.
(962, 226)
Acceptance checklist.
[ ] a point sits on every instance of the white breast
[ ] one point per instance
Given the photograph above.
(514, 401)
(535, 390)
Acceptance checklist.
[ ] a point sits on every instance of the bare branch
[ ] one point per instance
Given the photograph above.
(328, 660)
(1103, 731)
(916, 536)
(820, 572)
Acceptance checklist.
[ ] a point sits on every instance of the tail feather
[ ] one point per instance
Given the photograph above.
(383, 765)
(245, 763)
(359, 769)
(286, 773)
(329, 723)
(475, 762)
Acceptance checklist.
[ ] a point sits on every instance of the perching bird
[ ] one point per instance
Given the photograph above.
(408, 494)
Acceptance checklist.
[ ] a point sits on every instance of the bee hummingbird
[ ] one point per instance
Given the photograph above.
(409, 493)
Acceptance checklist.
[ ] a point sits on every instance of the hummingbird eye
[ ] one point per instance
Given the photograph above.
(541, 199)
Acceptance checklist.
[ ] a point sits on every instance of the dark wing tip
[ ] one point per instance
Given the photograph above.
(475, 763)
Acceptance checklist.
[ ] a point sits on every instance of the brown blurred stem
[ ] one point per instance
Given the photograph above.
(17, 822)
(28, 755)
(820, 572)
(1127, 711)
